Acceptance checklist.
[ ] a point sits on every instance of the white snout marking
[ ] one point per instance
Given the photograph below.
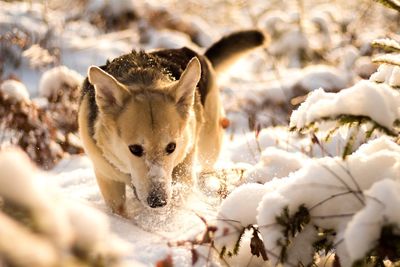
(156, 173)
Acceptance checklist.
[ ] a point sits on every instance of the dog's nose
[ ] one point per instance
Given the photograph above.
(157, 199)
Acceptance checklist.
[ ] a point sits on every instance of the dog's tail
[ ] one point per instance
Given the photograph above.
(230, 48)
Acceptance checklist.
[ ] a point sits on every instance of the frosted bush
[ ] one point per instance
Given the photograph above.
(236, 213)
(381, 209)
(322, 187)
(47, 226)
(308, 210)
(379, 102)
(274, 162)
(14, 90)
(53, 80)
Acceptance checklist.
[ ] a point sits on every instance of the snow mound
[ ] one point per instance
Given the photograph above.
(274, 162)
(53, 79)
(327, 77)
(383, 143)
(376, 101)
(60, 225)
(381, 209)
(169, 39)
(388, 74)
(95, 6)
(15, 90)
(24, 187)
(249, 147)
(237, 212)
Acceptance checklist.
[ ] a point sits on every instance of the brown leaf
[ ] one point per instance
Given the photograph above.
(167, 262)
(257, 246)
(195, 256)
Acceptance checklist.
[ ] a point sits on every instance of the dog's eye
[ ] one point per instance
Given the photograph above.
(136, 150)
(170, 148)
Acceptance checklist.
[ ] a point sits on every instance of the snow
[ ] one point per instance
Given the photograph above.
(274, 162)
(381, 209)
(78, 52)
(381, 144)
(393, 59)
(53, 80)
(376, 101)
(329, 78)
(29, 250)
(387, 73)
(237, 212)
(386, 42)
(95, 6)
(394, 79)
(14, 90)
(316, 182)
(60, 224)
(24, 187)
(272, 168)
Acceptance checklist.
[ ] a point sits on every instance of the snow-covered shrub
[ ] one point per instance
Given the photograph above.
(29, 127)
(288, 40)
(26, 26)
(274, 163)
(307, 212)
(44, 132)
(112, 16)
(312, 201)
(14, 90)
(343, 201)
(378, 218)
(40, 228)
(60, 86)
(359, 113)
(54, 81)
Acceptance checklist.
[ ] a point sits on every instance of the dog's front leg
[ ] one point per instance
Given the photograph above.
(113, 193)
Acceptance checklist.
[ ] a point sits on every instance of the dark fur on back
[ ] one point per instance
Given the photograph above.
(145, 68)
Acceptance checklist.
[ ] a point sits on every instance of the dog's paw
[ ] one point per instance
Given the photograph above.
(121, 211)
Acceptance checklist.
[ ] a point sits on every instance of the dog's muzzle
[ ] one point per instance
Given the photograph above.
(157, 198)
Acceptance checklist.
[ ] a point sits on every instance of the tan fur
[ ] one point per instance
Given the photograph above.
(149, 117)
(152, 111)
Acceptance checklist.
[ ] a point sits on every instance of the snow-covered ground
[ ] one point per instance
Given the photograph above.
(343, 139)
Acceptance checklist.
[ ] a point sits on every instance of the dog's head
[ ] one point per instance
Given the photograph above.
(146, 130)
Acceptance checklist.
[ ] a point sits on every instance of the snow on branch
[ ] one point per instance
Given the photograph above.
(386, 44)
(388, 74)
(392, 59)
(379, 102)
(380, 212)
(393, 4)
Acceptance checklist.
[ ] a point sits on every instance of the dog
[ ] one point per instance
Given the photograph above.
(145, 119)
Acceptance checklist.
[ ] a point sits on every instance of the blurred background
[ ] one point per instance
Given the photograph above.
(47, 47)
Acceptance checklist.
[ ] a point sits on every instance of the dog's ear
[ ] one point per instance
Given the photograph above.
(110, 93)
(186, 86)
